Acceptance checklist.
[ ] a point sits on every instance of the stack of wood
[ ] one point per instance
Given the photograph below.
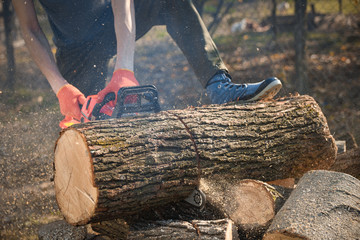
(128, 177)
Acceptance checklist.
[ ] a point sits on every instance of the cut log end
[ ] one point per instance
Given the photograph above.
(253, 195)
(250, 204)
(76, 193)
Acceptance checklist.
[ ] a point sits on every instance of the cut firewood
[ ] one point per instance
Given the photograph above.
(251, 204)
(324, 205)
(286, 183)
(348, 162)
(112, 168)
(222, 229)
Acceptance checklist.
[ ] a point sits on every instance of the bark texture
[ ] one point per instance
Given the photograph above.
(348, 162)
(120, 167)
(324, 205)
(222, 229)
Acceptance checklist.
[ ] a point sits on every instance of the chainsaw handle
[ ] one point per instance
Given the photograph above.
(108, 98)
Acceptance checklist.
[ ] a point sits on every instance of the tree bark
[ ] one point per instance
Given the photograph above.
(223, 229)
(249, 203)
(107, 169)
(324, 205)
(348, 162)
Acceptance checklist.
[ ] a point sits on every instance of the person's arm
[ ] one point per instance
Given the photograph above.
(37, 43)
(125, 30)
(69, 97)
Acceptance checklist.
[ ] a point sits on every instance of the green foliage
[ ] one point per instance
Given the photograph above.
(332, 6)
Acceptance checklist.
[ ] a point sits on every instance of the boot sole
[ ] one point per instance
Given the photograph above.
(268, 92)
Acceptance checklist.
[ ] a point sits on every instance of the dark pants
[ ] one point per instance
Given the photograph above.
(86, 67)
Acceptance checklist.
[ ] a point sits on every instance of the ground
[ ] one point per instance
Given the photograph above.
(29, 116)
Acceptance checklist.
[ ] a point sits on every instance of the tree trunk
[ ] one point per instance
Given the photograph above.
(250, 204)
(107, 169)
(348, 162)
(273, 20)
(9, 26)
(223, 229)
(300, 46)
(324, 205)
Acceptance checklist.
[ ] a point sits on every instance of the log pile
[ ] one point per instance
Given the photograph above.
(324, 205)
(128, 177)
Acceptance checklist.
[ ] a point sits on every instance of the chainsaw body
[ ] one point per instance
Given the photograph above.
(130, 101)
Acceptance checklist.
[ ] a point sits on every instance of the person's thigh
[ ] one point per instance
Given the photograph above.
(148, 13)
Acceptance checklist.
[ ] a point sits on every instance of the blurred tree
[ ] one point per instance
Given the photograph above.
(340, 6)
(273, 20)
(222, 7)
(9, 25)
(301, 77)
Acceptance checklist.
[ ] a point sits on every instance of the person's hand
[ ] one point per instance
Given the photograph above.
(70, 99)
(121, 78)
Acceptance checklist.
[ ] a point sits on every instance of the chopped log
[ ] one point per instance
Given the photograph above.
(286, 183)
(112, 168)
(251, 204)
(348, 162)
(178, 211)
(181, 210)
(223, 229)
(324, 205)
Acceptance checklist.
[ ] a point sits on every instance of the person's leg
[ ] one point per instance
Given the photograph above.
(186, 27)
(147, 15)
(189, 32)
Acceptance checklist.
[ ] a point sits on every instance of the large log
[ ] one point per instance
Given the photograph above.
(180, 212)
(222, 229)
(324, 205)
(250, 204)
(107, 169)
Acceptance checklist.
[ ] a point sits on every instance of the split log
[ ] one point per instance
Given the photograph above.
(223, 229)
(324, 205)
(250, 204)
(348, 162)
(112, 168)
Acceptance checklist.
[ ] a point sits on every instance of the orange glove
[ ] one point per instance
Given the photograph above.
(69, 99)
(121, 78)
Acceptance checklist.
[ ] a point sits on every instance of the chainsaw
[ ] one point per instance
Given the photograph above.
(130, 101)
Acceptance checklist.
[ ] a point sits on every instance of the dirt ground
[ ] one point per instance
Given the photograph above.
(29, 117)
